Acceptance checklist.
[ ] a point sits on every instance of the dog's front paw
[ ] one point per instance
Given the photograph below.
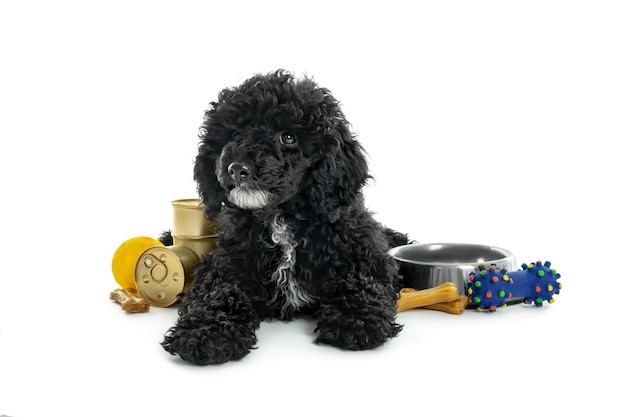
(355, 333)
(210, 344)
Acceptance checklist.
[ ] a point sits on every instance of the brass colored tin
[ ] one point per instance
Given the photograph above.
(189, 219)
(163, 274)
(200, 245)
(125, 258)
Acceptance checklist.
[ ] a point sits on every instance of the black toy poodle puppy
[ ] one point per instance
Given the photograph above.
(281, 172)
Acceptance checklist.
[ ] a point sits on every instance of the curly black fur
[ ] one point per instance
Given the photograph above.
(279, 169)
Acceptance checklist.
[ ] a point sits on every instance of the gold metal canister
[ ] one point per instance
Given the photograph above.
(191, 229)
(163, 273)
(189, 219)
(200, 245)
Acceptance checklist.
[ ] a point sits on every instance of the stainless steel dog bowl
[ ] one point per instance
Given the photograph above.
(431, 264)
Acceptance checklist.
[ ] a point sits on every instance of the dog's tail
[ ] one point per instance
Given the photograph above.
(395, 238)
(166, 238)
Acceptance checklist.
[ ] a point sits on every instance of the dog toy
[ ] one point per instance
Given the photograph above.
(444, 297)
(130, 301)
(125, 257)
(490, 288)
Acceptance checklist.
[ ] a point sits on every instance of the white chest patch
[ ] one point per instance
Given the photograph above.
(286, 283)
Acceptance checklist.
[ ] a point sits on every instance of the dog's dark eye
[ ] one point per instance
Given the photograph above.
(288, 138)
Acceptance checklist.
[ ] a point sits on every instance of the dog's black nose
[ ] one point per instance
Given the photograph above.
(239, 172)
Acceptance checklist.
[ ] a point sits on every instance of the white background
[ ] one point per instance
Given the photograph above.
(489, 122)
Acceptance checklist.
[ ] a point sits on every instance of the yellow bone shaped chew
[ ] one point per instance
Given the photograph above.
(453, 307)
(410, 298)
(131, 301)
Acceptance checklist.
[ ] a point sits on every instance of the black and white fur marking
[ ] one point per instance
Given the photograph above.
(295, 296)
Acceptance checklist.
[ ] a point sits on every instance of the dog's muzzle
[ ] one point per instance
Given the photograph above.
(248, 198)
(245, 195)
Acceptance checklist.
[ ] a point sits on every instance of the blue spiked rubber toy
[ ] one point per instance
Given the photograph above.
(490, 288)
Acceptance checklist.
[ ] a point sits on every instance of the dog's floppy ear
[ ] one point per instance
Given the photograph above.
(342, 171)
(351, 171)
(209, 188)
(213, 136)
